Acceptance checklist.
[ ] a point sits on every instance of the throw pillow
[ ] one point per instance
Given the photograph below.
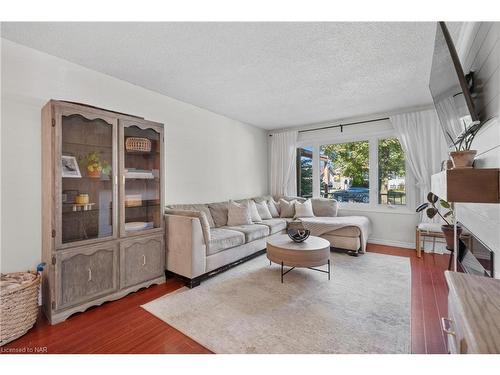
(219, 213)
(287, 209)
(303, 209)
(263, 210)
(238, 214)
(254, 213)
(324, 207)
(273, 207)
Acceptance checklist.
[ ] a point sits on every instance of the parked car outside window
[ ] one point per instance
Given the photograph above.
(353, 194)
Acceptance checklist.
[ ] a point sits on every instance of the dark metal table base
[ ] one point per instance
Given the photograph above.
(311, 268)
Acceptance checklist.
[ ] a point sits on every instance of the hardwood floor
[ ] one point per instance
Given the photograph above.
(124, 327)
(429, 295)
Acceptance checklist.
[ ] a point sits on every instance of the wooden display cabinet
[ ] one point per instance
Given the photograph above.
(103, 193)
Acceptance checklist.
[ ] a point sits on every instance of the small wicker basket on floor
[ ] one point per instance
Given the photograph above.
(18, 304)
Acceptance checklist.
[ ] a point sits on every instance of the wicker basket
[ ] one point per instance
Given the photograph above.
(136, 144)
(18, 304)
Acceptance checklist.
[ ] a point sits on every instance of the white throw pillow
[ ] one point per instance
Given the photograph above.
(303, 209)
(287, 209)
(324, 207)
(254, 213)
(274, 207)
(238, 214)
(263, 210)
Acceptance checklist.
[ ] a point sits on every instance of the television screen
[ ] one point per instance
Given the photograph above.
(449, 87)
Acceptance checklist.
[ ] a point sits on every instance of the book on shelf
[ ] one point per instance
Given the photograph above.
(138, 225)
(139, 173)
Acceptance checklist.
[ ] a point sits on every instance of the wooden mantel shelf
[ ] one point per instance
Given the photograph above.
(469, 185)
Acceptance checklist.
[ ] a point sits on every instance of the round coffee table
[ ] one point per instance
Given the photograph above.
(313, 252)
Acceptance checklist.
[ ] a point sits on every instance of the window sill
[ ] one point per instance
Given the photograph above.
(379, 209)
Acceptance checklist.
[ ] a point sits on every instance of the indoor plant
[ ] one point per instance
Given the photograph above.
(463, 156)
(449, 217)
(96, 166)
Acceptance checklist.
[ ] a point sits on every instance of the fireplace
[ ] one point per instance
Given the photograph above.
(475, 258)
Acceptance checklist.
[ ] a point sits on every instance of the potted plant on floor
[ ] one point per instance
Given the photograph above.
(463, 156)
(449, 217)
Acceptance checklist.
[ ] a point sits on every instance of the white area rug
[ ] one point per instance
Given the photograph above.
(364, 308)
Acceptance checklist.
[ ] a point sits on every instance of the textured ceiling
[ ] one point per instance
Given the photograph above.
(271, 75)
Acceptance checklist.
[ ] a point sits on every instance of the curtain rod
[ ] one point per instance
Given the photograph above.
(341, 126)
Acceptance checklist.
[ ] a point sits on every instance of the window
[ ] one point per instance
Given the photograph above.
(391, 173)
(344, 172)
(304, 172)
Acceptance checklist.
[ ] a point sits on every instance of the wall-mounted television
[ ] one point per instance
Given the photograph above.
(450, 88)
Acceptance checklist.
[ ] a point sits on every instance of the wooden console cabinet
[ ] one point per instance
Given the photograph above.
(102, 203)
(473, 322)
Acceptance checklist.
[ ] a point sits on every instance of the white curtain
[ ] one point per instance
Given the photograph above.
(283, 177)
(448, 114)
(424, 146)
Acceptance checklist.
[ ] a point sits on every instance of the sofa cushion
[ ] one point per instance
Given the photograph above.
(263, 210)
(252, 232)
(274, 207)
(219, 213)
(195, 207)
(303, 209)
(254, 212)
(287, 209)
(349, 231)
(324, 207)
(238, 214)
(275, 225)
(222, 239)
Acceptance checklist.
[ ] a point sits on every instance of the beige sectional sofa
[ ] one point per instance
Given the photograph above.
(199, 243)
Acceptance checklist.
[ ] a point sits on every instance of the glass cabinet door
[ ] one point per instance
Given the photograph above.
(87, 178)
(141, 154)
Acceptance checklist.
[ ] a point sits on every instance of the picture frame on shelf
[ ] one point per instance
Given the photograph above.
(69, 167)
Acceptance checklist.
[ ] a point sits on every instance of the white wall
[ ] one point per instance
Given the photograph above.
(481, 53)
(208, 157)
(390, 226)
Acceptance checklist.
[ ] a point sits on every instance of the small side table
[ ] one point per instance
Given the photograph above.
(433, 230)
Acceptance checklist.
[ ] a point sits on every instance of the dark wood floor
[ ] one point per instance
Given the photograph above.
(124, 327)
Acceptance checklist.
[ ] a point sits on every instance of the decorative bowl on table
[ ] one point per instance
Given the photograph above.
(297, 232)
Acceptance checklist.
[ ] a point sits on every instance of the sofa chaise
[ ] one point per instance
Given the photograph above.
(200, 244)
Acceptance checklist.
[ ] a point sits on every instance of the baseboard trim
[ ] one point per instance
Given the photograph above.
(379, 241)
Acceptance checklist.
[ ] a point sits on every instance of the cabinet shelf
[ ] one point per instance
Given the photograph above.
(87, 178)
(471, 185)
(88, 145)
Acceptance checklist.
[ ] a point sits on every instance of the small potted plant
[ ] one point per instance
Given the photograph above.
(463, 156)
(449, 217)
(95, 166)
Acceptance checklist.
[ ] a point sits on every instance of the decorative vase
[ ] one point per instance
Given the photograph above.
(463, 159)
(448, 232)
(94, 174)
(298, 235)
(82, 199)
(297, 232)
